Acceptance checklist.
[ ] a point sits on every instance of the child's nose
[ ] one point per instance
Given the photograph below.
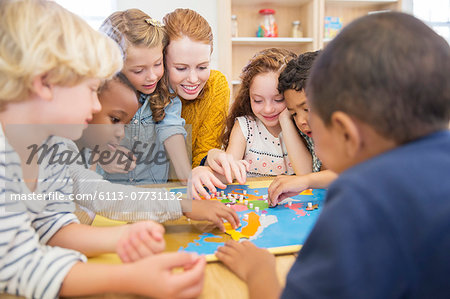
(119, 131)
(151, 77)
(268, 108)
(304, 122)
(96, 106)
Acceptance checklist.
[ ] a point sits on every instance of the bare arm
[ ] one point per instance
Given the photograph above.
(255, 266)
(90, 279)
(321, 179)
(85, 238)
(298, 153)
(82, 279)
(237, 143)
(176, 149)
(131, 242)
(270, 288)
(287, 186)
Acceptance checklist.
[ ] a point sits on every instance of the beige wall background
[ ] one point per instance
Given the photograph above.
(159, 8)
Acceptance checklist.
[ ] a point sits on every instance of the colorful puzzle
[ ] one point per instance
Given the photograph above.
(281, 229)
(286, 225)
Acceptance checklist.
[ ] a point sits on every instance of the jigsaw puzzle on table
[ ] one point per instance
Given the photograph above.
(281, 229)
(285, 225)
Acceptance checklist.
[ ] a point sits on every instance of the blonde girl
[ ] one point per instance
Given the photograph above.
(157, 126)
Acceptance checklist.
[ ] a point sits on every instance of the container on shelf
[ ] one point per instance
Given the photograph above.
(296, 30)
(234, 26)
(268, 26)
(332, 26)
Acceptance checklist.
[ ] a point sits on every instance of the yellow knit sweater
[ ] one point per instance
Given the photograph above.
(207, 116)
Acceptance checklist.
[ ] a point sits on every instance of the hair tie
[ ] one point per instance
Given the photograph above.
(153, 22)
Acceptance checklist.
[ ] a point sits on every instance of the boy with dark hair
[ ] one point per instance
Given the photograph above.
(291, 84)
(380, 105)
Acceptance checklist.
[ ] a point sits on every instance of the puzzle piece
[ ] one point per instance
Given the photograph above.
(312, 207)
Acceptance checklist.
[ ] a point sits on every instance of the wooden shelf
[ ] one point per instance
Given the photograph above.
(311, 14)
(269, 3)
(270, 40)
(361, 2)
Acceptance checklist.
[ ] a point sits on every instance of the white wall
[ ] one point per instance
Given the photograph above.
(159, 8)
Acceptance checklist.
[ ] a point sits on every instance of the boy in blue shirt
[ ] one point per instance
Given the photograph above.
(379, 96)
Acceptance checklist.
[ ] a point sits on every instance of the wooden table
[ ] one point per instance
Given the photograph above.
(219, 282)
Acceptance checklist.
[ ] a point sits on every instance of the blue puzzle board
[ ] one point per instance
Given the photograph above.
(283, 225)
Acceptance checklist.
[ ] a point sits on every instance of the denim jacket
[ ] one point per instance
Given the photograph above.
(146, 139)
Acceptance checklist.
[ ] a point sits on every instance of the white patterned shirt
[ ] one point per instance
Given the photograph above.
(266, 154)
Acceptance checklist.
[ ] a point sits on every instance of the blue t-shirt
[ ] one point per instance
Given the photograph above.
(384, 231)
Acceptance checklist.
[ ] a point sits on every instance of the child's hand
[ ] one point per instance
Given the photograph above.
(226, 165)
(139, 240)
(154, 276)
(214, 211)
(286, 186)
(124, 161)
(245, 259)
(203, 175)
(285, 116)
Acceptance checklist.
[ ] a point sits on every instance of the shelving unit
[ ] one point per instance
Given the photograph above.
(311, 13)
(272, 41)
(348, 10)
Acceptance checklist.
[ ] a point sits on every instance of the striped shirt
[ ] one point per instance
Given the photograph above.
(28, 267)
(117, 201)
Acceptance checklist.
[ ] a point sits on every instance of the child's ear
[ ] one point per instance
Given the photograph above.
(348, 132)
(41, 88)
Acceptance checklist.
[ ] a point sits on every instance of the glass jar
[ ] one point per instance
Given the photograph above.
(297, 30)
(234, 26)
(268, 26)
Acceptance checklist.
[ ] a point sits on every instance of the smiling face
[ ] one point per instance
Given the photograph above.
(144, 67)
(188, 66)
(297, 106)
(119, 105)
(266, 102)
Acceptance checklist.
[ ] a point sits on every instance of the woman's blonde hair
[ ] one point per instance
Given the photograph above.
(265, 61)
(39, 37)
(133, 27)
(187, 22)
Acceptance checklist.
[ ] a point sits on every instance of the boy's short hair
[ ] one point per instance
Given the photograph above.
(389, 70)
(40, 37)
(296, 72)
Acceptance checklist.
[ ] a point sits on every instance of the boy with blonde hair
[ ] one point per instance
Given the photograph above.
(51, 65)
